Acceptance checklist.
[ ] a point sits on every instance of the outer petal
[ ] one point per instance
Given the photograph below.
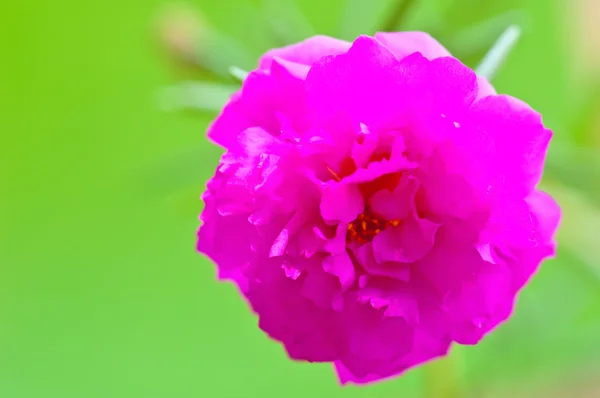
(397, 204)
(448, 265)
(230, 255)
(374, 340)
(273, 101)
(546, 215)
(372, 85)
(363, 83)
(306, 52)
(445, 188)
(425, 349)
(474, 295)
(510, 137)
(405, 43)
(341, 266)
(406, 243)
(308, 331)
(341, 202)
(485, 88)
(522, 234)
(364, 256)
(483, 301)
(428, 342)
(319, 286)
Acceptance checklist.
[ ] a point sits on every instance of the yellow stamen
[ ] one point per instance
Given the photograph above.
(333, 173)
(365, 227)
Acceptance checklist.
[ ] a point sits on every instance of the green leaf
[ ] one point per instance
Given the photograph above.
(220, 51)
(463, 13)
(364, 17)
(287, 21)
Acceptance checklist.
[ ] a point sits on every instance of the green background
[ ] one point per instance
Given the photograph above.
(101, 291)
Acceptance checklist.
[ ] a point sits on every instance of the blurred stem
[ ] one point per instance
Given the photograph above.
(196, 96)
(397, 15)
(442, 378)
(188, 34)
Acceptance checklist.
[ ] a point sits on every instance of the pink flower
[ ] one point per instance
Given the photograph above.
(377, 201)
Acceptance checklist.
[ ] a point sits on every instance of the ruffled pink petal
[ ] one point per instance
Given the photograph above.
(396, 163)
(447, 265)
(363, 83)
(454, 86)
(397, 204)
(427, 344)
(341, 202)
(308, 332)
(546, 215)
(364, 147)
(306, 52)
(403, 44)
(262, 99)
(521, 234)
(407, 243)
(229, 254)
(446, 192)
(485, 88)
(480, 304)
(364, 256)
(474, 294)
(341, 266)
(513, 139)
(319, 286)
(298, 71)
(395, 298)
(345, 376)
(374, 341)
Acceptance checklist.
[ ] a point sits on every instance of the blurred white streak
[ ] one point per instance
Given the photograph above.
(238, 73)
(495, 57)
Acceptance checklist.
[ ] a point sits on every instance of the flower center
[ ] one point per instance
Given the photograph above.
(366, 226)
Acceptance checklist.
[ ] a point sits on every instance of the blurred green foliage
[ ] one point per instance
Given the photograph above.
(101, 292)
